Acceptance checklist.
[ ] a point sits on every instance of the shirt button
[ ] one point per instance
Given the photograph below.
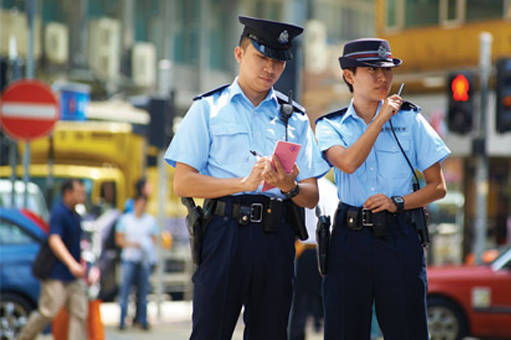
(372, 188)
(371, 168)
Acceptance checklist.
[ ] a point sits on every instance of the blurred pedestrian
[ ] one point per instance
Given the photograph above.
(248, 242)
(375, 251)
(136, 233)
(64, 286)
(307, 290)
(142, 187)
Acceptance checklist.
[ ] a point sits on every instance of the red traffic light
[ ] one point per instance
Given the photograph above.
(506, 101)
(460, 87)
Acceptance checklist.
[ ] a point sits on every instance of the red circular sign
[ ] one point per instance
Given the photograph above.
(28, 110)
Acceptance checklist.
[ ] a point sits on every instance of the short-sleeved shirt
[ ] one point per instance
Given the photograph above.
(219, 130)
(138, 229)
(385, 169)
(67, 224)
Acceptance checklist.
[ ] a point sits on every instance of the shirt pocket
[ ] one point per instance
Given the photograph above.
(229, 142)
(391, 161)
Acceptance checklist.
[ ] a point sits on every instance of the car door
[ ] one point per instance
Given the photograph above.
(501, 299)
(19, 249)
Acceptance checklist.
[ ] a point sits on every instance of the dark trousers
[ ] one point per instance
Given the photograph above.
(307, 295)
(243, 266)
(390, 271)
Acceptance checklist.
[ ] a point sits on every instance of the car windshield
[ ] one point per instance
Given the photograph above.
(53, 195)
(35, 198)
(503, 252)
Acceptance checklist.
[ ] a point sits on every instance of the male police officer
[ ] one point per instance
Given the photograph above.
(248, 248)
(375, 253)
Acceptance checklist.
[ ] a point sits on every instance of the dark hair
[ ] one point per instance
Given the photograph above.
(244, 41)
(354, 70)
(139, 186)
(68, 185)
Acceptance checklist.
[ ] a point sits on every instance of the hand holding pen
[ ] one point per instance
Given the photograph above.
(256, 176)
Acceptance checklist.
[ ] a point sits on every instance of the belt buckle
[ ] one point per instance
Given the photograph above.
(256, 212)
(366, 218)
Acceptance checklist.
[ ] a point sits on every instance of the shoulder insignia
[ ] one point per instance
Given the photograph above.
(409, 106)
(338, 113)
(209, 93)
(283, 99)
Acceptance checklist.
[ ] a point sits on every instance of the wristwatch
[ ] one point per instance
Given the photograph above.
(399, 202)
(290, 194)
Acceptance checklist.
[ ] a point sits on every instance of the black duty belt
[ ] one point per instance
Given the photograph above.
(250, 208)
(358, 218)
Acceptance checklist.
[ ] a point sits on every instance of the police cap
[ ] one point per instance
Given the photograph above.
(370, 52)
(271, 38)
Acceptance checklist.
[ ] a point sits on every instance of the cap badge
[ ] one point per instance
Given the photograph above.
(382, 51)
(284, 37)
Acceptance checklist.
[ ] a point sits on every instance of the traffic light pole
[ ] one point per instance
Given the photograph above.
(479, 149)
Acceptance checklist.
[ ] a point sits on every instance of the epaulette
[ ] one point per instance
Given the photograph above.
(283, 99)
(409, 106)
(338, 113)
(209, 93)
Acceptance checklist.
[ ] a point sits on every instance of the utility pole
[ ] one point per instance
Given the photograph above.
(30, 10)
(479, 149)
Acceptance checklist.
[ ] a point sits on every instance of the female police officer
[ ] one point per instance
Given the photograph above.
(248, 249)
(376, 255)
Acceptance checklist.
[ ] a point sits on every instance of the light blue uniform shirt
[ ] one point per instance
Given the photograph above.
(219, 130)
(385, 170)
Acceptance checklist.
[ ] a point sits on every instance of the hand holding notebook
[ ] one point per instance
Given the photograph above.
(286, 153)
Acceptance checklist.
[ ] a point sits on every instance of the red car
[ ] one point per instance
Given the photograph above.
(471, 300)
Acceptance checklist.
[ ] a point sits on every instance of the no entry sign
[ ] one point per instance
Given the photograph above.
(28, 110)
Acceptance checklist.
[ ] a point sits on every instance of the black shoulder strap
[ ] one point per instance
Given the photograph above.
(409, 106)
(209, 93)
(338, 113)
(283, 99)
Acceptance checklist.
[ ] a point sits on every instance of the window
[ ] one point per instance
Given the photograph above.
(54, 193)
(391, 12)
(451, 10)
(186, 39)
(345, 20)
(269, 9)
(484, 10)
(420, 13)
(11, 233)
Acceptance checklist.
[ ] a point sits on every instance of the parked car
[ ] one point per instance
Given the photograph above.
(21, 233)
(471, 300)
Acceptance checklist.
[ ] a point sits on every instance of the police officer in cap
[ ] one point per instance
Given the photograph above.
(248, 247)
(376, 254)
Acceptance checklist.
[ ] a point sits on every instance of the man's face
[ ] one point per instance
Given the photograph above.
(140, 205)
(77, 195)
(373, 83)
(258, 71)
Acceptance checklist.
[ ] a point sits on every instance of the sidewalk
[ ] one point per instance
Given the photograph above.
(174, 323)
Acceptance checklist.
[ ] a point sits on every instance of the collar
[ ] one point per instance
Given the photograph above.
(352, 113)
(235, 90)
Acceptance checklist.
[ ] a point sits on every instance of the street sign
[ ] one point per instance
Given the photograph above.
(28, 109)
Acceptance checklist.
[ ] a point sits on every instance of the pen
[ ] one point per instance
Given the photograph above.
(255, 153)
(400, 89)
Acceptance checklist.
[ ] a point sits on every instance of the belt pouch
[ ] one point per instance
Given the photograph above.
(243, 212)
(352, 219)
(379, 220)
(271, 216)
